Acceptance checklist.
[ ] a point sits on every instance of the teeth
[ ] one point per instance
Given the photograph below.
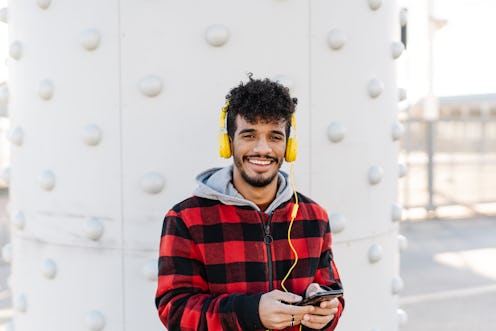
(260, 162)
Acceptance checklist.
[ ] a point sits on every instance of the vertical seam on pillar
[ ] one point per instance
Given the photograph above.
(310, 169)
(121, 153)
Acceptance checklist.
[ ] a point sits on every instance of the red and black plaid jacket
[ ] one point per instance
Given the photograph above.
(217, 260)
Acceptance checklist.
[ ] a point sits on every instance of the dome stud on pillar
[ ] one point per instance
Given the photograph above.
(376, 253)
(217, 35)
(402, 170)
(49, 269)
(396, 212)
(397, 131)
(43, 4)
(152, 182)
(336, 132)
(375, 4)
(4, 15)
(397, 49)
(90, 39)
(151, 86)
(16, 136)
(397, 285)
(93, 228)
(15, 50)
(375, 87)
(18, 221)
(150, 270)
(375, 175)
(402, 242)
(94, 321)
(7, 253)
(45, 89)
(20, 303)
(336, 39)
(92, 135)
(337, 222)
(47, 180)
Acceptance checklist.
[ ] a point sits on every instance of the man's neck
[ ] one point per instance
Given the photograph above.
(261, 196)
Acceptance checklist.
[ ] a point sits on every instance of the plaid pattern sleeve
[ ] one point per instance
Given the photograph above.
(192, 287)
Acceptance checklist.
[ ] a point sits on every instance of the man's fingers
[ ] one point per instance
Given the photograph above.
(285, 296)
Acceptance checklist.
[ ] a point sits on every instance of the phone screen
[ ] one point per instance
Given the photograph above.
(317, 298)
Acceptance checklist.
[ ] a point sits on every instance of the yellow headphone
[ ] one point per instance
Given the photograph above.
(225, 146)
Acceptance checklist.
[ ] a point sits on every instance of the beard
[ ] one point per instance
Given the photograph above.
(257, 180)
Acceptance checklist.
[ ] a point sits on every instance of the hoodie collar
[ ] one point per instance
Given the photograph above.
(216, 184)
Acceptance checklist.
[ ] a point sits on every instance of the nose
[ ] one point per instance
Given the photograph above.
(262, 146)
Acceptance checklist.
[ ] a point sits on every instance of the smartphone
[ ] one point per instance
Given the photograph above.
(318, 297)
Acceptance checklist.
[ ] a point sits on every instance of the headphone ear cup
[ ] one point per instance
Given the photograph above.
(291, 150)
(224, 146)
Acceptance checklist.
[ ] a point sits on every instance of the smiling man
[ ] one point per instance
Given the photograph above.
(226, 260)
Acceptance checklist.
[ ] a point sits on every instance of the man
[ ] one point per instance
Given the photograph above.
(225, 252)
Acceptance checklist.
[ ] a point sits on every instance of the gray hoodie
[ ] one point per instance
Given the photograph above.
(216, 184)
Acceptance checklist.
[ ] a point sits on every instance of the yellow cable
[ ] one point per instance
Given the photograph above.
(294, 212)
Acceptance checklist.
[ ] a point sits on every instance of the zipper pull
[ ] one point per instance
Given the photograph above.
(268, 238)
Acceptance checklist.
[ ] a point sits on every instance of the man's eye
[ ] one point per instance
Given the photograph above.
(276, 138)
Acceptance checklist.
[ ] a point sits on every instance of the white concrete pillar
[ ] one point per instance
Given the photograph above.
(114, 109)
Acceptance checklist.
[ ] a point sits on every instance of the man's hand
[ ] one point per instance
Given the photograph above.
(322, 314)
(276, 311)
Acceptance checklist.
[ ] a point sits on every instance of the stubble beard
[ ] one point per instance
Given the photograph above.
(258, 181)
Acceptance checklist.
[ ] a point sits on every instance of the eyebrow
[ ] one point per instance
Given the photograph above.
(253, 130)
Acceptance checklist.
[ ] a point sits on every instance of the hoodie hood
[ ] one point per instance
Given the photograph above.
(216, 184)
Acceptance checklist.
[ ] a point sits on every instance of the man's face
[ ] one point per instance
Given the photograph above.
(258, 151)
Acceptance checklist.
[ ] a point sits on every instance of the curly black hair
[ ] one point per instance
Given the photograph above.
(260, 100)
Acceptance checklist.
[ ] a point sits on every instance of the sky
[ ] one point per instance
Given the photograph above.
(465, 50)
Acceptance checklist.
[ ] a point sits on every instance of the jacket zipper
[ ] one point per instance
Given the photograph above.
(268, 239)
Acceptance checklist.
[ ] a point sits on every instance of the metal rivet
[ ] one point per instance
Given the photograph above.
(92, 135)
(397, 285)
(397, 49)
(402, 170)
(396, 212)
(217, 35)
(19, 220)
(21, 303)
(150, 270)
(47, 180)
(403, 16)
(375, 253)
(375, 87)
(90, 39)
(7, 253)
(375, 175)
(151, 86)
(49, 269)
(45, 89)
(43, 4)
(152, 183)
(94, 320)
(16, 136)
(402, 316)
(402, 242)
(402, 94)
(4, 15)
(336, 39)
(337, 222)
(375, 4)
(336, 132)
(15, 50)
(93, 228)
(397, 131)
